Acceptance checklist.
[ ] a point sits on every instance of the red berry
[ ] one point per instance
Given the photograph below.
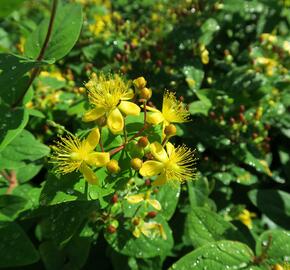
(114, 198)
(151, 214)
(111, 229)
(147, 182)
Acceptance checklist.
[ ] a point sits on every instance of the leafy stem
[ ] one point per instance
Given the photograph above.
(36, 70)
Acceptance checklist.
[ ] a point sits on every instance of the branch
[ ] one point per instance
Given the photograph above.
(11, 178)
(36, 70)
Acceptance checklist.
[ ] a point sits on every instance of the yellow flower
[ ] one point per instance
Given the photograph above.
(110, 96)
(246, 217)
(53, 74)
(173, 164)
(268, 37)
(173, 111)
(286, 46)
(72, 154)
(133, 199)
(149, 229)
(204, 54)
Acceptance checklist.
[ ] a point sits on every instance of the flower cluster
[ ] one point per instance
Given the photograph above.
(112, 100)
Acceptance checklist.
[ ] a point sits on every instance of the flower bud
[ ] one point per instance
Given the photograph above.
(102, 121)
(136, 163)
(145, 93)
(136, 221)
(277, 267)
(170, 130)
(113, 166)
(114, 223)
(116, 208)
(114, 199)
(111, 229)
(140, 82)
(147, 182)
(143, 142)
(151, 214)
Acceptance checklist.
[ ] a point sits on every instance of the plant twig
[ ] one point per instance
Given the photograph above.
(145, 112)
(36, 70)
(101, 142)
(11, 178)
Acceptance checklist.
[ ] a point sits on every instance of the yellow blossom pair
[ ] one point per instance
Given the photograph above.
(172, 164)
(72, 154)
(110, 97)
(133, 199)
(173, 111)
(149, 229)
(246, 218)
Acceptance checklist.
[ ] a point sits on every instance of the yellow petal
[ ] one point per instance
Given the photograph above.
(128, 95)
(129, 108)
(162, 232)
(160, 180)
(89, 174)
(137, 232)
(151, 168)
(98, 159)
(156, 204)
(155, 118)
(93, 114)
(158, 152)
(148, 108)
(115, 121)
(170, 148)
(147, 228)
(92, 140)
(135, 198)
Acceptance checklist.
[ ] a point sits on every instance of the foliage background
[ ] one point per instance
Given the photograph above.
(218, 59)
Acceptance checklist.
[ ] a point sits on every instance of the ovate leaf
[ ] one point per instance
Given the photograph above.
(12, 122)
(275, 204)
(7, 6)
(218, 256)
(277, 244)
(65, 32)
(16, 248)
(206, 226)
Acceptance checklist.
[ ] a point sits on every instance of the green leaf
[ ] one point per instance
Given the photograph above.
(7, 6)
(29, 193)
(206, 226)
(72, 256)
(242, 176)
(259, 164)
(62, 188)
(23, 148)
(65, 32)
(125, 243)
(12, 122)
(27, 172)
(168, 197)
(209, 27)
(278, 243)
(11, 205)
(275, 204)
(16, 248)
(193, 76)
(198, 192)
(63, 220)
(12, 70)
(218, 256)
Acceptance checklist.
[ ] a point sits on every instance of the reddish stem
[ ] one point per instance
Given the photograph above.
(116, 150)
(11, 178)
